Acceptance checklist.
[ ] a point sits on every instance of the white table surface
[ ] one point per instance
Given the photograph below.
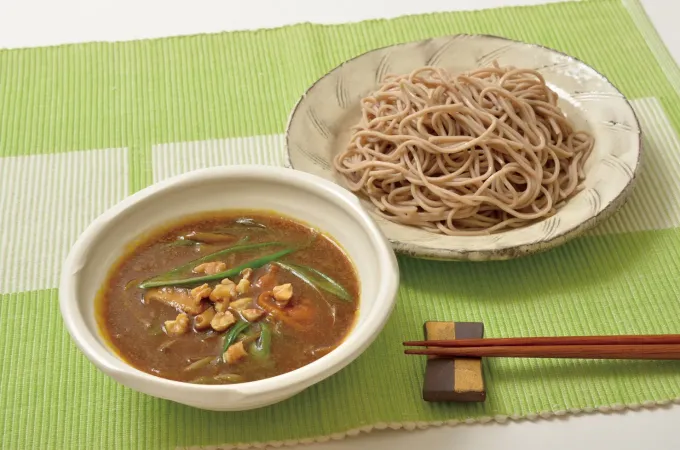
(29, 23)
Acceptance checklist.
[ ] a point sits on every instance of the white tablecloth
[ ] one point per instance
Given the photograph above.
(30, 23)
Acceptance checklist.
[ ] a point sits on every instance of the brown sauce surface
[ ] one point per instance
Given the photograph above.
(311, 324)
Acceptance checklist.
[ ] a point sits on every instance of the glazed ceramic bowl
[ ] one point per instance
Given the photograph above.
(319, 128)
(305, 197)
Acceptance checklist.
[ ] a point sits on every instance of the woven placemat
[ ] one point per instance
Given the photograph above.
(82, 126)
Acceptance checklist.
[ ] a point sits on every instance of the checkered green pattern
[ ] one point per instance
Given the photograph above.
(82, 126)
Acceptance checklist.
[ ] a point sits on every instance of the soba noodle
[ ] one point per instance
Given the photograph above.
(466, 155)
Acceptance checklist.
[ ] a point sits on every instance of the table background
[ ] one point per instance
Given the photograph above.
(42, 22)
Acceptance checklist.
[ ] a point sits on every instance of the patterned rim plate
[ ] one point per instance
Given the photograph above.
(319, 127)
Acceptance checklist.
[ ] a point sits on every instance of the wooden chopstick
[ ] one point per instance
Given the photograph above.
(663, 346)
(563, 340)
(622, 351)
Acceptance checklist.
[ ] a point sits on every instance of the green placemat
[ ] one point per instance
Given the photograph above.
(82, 126)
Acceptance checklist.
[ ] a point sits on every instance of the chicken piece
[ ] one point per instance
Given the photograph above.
(241, 303)
(178, 326)
(243, 286)
(221, 306)
(202, 321)
(201, 292)
(302, 311)
(222, 320)
(180, 299)
(282, 293)
(227, 281)
(234, 353)
(210, 268)
(252, 314)
(223, 293)
(247, 274)
(268, 280)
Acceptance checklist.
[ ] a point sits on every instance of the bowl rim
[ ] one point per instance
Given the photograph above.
(358, 339)
(511, 251)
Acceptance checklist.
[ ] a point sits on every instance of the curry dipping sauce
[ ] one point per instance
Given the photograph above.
(229, 297)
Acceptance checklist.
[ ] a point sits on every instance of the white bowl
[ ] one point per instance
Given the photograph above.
(311, 199)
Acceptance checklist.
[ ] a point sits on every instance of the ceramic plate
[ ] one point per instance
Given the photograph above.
(320, 123)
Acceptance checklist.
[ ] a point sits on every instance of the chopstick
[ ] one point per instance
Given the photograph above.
(664, 347)
(561, 340)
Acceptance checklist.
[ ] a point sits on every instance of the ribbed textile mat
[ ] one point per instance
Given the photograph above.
(82, 126)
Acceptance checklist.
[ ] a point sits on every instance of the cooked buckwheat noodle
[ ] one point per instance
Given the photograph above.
(465, 155)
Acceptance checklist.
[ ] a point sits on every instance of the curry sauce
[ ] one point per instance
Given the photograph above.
(229, 297)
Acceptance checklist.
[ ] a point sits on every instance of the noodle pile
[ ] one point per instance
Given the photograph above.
(466, 155)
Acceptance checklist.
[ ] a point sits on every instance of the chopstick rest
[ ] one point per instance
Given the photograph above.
(458, 379)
